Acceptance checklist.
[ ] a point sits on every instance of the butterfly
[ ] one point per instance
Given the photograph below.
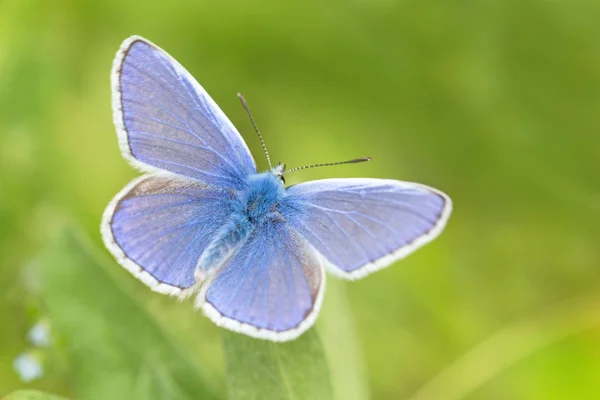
(202, 220)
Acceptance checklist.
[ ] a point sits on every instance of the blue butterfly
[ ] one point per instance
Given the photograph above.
(204, 220)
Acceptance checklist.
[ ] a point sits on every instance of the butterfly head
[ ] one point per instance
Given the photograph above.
(278, 171)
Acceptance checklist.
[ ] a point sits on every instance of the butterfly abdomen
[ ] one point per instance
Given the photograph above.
(256, 204)
(228, 239)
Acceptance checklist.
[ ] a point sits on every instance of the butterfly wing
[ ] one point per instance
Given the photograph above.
(157, 227)
(166, 120)
(270, 289)
(362, 225)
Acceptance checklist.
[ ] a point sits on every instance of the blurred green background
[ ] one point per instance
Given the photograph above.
(497, 103)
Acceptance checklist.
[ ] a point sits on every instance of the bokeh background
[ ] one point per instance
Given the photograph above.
(497, 103)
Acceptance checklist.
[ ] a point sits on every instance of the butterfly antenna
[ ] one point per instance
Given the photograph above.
(262, 142)
(356, 160)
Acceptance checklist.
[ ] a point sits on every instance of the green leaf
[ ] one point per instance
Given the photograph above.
(259, 369)
(32, 395)
(116, 349)
(336, 327)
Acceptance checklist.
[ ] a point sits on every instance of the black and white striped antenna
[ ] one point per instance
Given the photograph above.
(356, 160)
(264, 146)
(262, 142)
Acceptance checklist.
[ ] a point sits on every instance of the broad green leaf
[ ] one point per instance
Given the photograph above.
(293, 370)
(32, 395)
(116, 349)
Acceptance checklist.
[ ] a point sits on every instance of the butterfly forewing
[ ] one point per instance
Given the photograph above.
(361, 225)
(166, 120)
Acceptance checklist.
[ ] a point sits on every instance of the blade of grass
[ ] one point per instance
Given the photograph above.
(510, 345)
(116, 349)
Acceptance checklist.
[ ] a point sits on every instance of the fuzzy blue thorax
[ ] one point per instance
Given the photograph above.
(260, 199)
(252, 206)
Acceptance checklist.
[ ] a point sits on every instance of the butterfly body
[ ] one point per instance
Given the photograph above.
(204, 220)
(259, 200)
(254, 204)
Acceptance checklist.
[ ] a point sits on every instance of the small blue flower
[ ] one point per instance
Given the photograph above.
(28, 367)
(39, 335)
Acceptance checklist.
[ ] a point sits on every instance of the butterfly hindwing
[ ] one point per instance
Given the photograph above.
(271, 288)
(157, 227)
(362, 225)
(166, 120)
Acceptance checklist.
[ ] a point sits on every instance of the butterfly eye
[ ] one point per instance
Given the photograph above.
(282, 179)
